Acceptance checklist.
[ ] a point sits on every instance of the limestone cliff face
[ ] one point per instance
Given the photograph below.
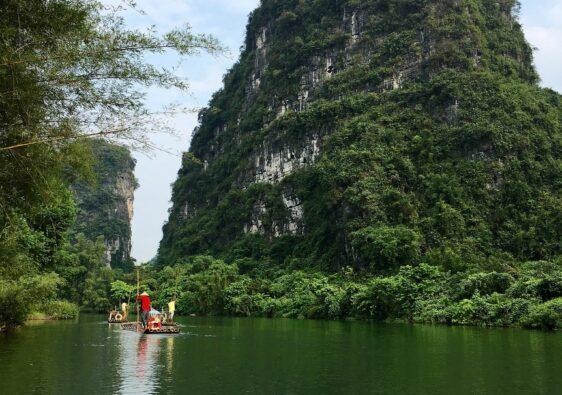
(309, 70)
(105, 205)
(119, 244)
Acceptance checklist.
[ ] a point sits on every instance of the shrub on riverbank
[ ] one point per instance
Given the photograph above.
(14, 306)
(545, 316)
(528, 294)
(60, 310)
(33, 297)
(19, 298)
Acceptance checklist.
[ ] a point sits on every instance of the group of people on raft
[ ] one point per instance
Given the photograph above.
(150, 318)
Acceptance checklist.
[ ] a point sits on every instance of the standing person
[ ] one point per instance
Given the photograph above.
(124, 310)
(171, 309)
(145, 307)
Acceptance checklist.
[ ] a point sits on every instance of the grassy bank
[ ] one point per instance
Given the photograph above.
(55, 310)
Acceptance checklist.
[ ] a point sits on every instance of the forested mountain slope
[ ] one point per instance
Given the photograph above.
(375, 134)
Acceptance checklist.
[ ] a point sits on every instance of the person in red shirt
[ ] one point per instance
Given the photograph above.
(145, 307)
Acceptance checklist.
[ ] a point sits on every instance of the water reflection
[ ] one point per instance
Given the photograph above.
(139, 358)
(170, 355)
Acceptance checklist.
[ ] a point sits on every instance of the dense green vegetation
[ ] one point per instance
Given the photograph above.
(69, 69)
(528, 295)
(438, 183)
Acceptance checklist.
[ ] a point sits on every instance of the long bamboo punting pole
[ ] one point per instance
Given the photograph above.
(128, 306)
(138, 288)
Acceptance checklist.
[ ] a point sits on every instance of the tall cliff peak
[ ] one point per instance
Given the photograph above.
(374, 133)
(105, 203)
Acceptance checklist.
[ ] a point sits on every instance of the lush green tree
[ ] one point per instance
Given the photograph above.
(97, 291)
(14, 305)
(78, 262)
(122, 291)
(387, 247)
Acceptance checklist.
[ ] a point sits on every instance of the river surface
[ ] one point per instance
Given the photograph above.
(261, 356)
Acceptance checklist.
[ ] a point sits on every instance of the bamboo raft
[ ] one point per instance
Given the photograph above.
(137, 327)
(115, 321)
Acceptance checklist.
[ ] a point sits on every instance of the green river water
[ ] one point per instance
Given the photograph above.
(261, 356)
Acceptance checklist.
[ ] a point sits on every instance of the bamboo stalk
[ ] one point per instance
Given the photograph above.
(128, 305)
(138, 290)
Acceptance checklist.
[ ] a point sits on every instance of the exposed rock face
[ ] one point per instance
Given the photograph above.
(274, 163)
(296, 214)
(105, 206)
(119, 244)
(308, 74)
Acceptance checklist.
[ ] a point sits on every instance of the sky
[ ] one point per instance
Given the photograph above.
(226, 20)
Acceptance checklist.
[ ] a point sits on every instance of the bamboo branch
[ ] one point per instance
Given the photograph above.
(81, 55)
(59, 138)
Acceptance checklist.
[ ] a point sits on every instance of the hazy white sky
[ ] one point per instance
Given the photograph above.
(226, 19)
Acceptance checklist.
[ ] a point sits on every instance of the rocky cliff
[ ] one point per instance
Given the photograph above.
(105, 203)
(375, 133)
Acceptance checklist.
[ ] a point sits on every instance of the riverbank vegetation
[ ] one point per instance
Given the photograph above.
(527, 295)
